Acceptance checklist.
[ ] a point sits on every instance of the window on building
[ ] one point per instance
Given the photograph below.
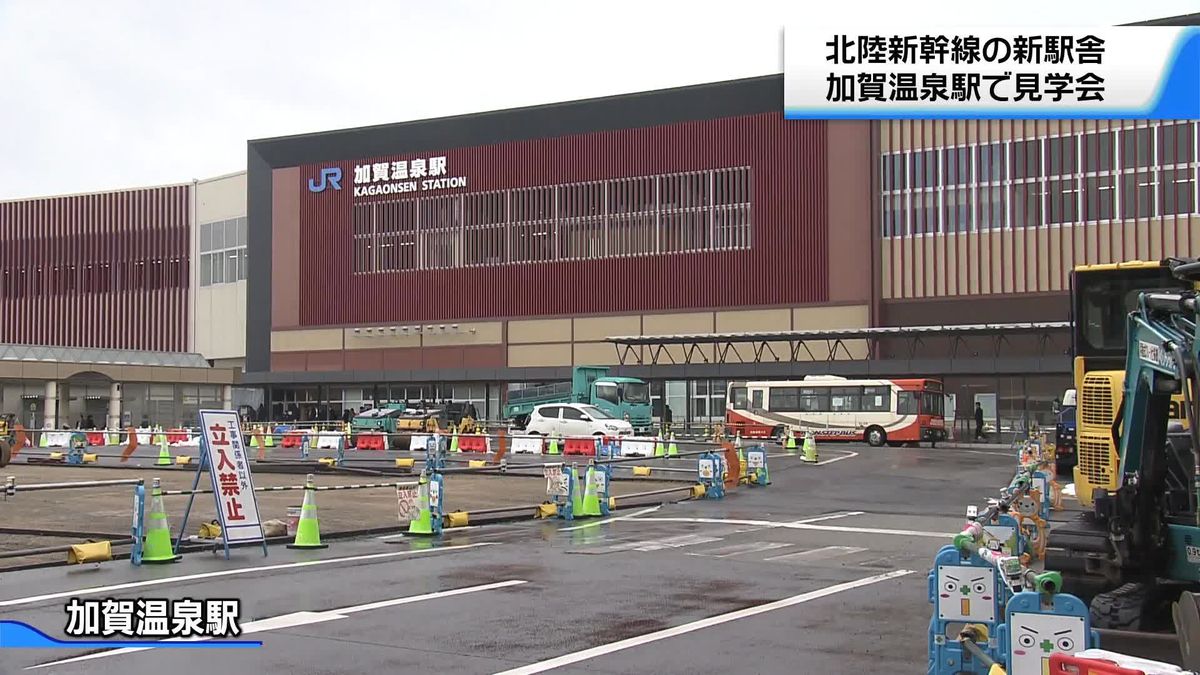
(668, 213)
(1137, 194)
(1062, 199)
(222, 256)
(1026, 159)
(1176, 144)
(1097, 150)
(1099, 198)
(1061, 155)
(991, 208)
(1177, 191)
(1137, 148)
(957, 166)
(1027, 204)
(924, 171)
(990, 163)
(957, 210)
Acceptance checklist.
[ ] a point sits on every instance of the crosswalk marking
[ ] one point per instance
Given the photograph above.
(669, 542)
(823, 553)
(739, 549)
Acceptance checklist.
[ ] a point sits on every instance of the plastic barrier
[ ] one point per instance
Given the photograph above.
(1039, 627)
(328, 440)
(527, 445)
(291, 439)
(176, 436)
(1100, 662)
(371, 441)
(474, 443)
(96, 438)
(580, 446)
(637, 447)
(963, 590)
(417, 442)
(561, 485)
(710, 474)
(756, 466)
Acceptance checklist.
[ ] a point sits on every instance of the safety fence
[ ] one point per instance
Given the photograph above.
(576, 487)
(994, 611)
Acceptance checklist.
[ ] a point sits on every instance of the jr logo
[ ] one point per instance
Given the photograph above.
(329, 177)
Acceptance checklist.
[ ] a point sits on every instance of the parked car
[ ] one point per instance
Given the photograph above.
(1064, 440)
(574, 419)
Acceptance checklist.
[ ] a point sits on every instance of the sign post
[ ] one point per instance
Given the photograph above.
(224, 452)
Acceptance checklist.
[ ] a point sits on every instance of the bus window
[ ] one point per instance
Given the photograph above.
(757, 399)
(877, 399)
(738, 398)
(606, 391)
(906, 403)
(933, 403)
(784, 399)
(845, 399)
(814, 399)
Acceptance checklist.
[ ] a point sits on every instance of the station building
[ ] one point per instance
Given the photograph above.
(468, 253)
(658, 233)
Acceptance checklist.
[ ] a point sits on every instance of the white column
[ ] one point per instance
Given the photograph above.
(227, 397)
(50, 418)
(114, 406)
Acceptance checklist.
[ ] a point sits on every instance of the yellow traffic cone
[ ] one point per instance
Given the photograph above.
(308, 530)
(158, 531)
(164, 455)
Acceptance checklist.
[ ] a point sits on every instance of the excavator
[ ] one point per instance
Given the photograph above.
(1138, 547)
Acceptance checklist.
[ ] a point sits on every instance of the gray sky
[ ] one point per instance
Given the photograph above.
(118, 93)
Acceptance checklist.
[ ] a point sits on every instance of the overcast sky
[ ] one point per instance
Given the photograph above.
(116, 93)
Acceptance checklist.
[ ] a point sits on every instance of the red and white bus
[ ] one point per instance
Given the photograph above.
(837, 409)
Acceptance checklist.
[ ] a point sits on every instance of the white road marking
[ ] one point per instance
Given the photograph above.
(833, 516)
(670, 542)
(837, 459)
(739, 549)
(823, 553)
(228, 573)
(805, 526)
(298, 619)
(994, 453)
(635, 514)
(587, 654)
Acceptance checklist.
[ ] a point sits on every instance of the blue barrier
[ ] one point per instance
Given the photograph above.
(964, 590)
(1039, 626)
(710, 472)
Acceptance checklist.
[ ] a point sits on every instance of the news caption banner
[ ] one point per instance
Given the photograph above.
(142, 622)
(1125, 72)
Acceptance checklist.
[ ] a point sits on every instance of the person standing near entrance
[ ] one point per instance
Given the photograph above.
(979, 421)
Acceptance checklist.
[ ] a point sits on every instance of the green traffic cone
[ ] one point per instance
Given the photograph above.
(659, 451)
(576, 493)
(164, 455)
(308, 530)
(591, 498)
(672, 448)
(553, 449)
(810, 449)
(43, 440)
(423, 523)
(791, 443)
(454, 442)
(158, 531)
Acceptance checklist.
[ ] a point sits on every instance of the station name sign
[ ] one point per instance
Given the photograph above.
(407, 175)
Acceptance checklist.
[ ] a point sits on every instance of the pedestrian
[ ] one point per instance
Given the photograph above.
(979, 422)
(91, 422)
(667, 418)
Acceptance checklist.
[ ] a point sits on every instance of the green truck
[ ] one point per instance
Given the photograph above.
(621, 397)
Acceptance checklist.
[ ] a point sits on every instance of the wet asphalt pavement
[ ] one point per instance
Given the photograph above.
(821, 572)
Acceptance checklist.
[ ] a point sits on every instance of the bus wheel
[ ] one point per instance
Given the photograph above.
(876, 437)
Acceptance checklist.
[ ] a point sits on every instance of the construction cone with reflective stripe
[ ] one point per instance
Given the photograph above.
(157, 548)
(791, 442)
(672, 448)
(591, 498)
(553, 449)
(810, 448)
(659, 451)
(454, 442)
(164, 455)
(308, 530)
(576, 493)
(423, 523)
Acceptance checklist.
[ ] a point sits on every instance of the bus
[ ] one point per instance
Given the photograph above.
(834, 408)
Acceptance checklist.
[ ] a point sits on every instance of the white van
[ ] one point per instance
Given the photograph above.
(574, 419)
